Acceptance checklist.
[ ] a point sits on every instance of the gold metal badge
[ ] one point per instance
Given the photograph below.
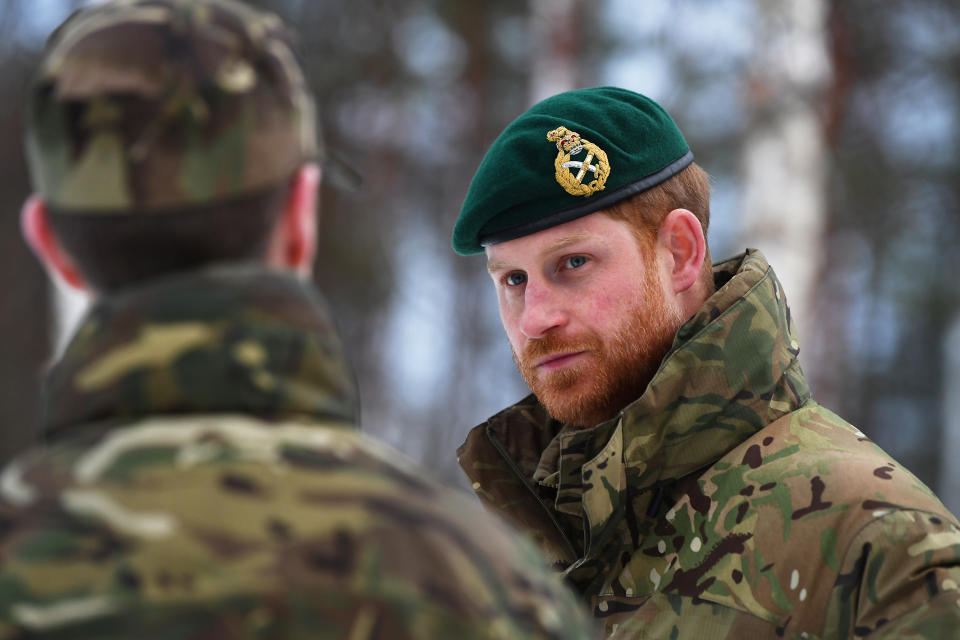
(570, 173)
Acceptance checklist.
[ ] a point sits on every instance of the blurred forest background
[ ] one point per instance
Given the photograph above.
(830, 127)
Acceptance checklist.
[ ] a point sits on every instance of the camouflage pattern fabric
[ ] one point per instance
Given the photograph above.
(160, 105)
(725, 502)
(203, 480)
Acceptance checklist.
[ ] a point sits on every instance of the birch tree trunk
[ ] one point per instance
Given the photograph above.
(784, 153)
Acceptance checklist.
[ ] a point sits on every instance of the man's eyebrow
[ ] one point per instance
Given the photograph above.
(565, 242)
(559, 245)
(496, 266)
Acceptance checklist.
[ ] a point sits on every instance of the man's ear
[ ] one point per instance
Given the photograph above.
(35, 226)
(294, 245)
(681, 238)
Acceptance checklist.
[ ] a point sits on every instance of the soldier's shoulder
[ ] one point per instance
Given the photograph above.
(785, 518)
(229, 509)
(813, 452)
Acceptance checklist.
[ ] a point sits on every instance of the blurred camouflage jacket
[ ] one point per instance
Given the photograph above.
(724, 502)
(202, 480)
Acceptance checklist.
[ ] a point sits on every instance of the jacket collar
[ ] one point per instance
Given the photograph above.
(732, 370)
(237, 339)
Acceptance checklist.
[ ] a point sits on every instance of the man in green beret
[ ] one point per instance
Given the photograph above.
(671, 462)
(202, 475)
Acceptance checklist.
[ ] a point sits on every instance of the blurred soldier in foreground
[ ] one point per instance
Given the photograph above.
(671, 460)
(202, 476)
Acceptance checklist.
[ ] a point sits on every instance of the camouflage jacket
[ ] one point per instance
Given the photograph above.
(201, 479)
(725, 502)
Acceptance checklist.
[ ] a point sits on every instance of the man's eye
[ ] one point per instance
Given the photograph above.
(574, 262)
(515, 278)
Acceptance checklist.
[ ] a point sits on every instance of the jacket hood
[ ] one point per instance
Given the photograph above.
(238, 340)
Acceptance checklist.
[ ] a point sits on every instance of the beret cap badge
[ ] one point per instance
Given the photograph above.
(571, 173)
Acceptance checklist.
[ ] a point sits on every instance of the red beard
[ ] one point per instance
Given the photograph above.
(614, 371)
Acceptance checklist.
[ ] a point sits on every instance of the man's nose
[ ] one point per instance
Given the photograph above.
(542, 311)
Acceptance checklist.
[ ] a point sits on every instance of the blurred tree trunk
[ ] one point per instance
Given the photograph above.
(495, 91)
(24, 308)
(949, 481)
(836, 379)
(556, 45)
(784, 154)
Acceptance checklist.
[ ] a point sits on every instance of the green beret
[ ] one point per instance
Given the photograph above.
(570, 155)
(164, 105)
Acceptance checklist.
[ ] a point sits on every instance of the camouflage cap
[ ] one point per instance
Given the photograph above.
(161, 105)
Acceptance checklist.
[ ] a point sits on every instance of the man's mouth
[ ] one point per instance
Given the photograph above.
(557, 360)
